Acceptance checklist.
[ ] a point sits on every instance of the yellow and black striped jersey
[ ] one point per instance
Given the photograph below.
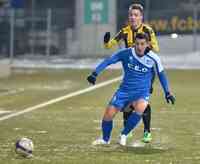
(127, 34)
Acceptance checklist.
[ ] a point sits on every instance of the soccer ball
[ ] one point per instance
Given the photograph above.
(24, 147)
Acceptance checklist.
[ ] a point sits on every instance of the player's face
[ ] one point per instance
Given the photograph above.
(140, 46)
(135, 18)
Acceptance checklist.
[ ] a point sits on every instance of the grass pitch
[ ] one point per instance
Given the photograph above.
(62, 132)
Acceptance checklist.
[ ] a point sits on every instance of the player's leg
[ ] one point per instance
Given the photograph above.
(107, 122)
(126, 113)
(146, 117)
(133, 119)
(118, 102)
(106, 126)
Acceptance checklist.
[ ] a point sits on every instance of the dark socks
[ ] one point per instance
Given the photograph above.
(146, 117)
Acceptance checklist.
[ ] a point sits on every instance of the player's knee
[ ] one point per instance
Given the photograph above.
(107, 117)
(140, 106)
(140, 110)
(110, 113)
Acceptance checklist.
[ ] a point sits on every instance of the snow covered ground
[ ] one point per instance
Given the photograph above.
(176, 61)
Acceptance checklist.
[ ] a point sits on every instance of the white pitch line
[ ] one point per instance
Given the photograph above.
(27, 110)
(4, 111)
(10, 92)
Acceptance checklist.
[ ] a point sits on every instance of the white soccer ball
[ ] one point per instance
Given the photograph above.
(24, 147)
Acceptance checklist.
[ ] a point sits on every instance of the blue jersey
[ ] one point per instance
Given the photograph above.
(137, 70)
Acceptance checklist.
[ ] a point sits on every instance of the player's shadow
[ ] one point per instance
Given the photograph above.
(144, 150)
(147, 149)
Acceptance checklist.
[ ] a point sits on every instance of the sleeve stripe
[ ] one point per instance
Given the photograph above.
(156, 63)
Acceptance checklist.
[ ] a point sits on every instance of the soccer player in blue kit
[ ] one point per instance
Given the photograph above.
(134, 89)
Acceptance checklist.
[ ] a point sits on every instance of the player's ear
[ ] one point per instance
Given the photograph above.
(148, 43)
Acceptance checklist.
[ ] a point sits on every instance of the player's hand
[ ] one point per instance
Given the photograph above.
(170, 98)
(106, 38)
(92, 78)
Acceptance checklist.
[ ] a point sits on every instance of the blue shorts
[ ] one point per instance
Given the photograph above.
(121, 99)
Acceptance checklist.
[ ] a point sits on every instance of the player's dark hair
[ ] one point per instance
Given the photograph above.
(137, 6)
(142, 36)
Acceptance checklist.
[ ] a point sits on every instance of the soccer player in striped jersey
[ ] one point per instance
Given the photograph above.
(127, 35)
(134, 89)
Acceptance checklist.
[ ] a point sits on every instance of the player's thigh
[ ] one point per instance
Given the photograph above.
(120, 100)
(140, 105)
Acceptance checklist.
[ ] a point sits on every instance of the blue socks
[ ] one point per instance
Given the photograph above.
(106, 129)
(131, 123)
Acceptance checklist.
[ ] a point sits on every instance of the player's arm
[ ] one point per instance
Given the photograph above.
(154, 42)
(103, 65)
(163, 80)
(112, 42)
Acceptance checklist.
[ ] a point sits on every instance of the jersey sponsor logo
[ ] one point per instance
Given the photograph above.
(149, 62)
(137, 68)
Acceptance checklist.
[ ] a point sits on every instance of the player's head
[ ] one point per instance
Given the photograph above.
(141, 43)
(135, 15)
